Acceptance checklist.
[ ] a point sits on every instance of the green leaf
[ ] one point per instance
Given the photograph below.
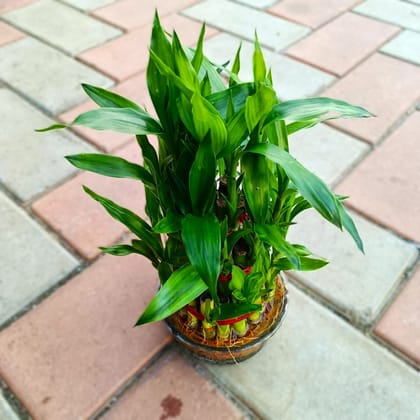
(208, 121)
(156, 83)
(207, 67)
(257, 106)
(120, 120)
(166, 71)
(349, 225)
(202, 179)
(238, 278)
(306, 264)
(256, 185)
(107, 99)
(308, 184)
(236, 66)
(118, 250)
(274, 236)
(169, 224)
(110, 166)
(201, 237)
(238, 94)
(150, 157)
(197, 60)
(51, 127)
(315, 110)
(152, 206)
(258, 63)
(183, 286)
(137, 247)
(133, 222)
(237, 132)
(233, 310)
(183, 65)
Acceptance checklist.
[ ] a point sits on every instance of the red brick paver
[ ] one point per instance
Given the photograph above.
(68, 356)
(130, 14)
(312, 13)
(128, 55)
(401, 323)
(82, 221)
(173, 389)
(385, 86)
(9, 34)
(7, 5)
(386, 185)
(343, 43)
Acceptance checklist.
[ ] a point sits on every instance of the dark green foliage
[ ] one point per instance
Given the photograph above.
(221, 188)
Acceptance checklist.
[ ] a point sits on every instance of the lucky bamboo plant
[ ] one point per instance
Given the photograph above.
(221, 188)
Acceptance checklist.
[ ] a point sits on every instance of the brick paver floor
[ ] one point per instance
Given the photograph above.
(350, 344)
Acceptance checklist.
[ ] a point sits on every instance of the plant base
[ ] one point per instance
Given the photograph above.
(232, 349)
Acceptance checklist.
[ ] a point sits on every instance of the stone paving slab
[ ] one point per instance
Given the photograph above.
(32, 162)
(45, 75)
(125, 56)
(6, 412)
(386, 186)
(401, 323)
(327, 152)
(318, 367)
(88, 4)
(291, 78)
(405, 46)
(127, 14)
(54, 23)
(388, 96)
(343, 43)
(69, 355)
(359, 285)
(82, 221)
(9, 34)
(31, 261)
(311, 13)
(273, 32)
(173, 388)
(394, 11)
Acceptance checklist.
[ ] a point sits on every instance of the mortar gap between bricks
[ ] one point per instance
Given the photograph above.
(14, 402)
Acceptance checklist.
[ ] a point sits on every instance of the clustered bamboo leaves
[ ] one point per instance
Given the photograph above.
(221, 189)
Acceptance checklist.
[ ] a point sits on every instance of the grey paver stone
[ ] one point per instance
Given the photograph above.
(260, 4)
(30, 260)
(6, 412)
(30, 162)
(88, 4)
(47, 76)
(273, 32)
(62, 26)
(327, 152)
(359, 285)
(292, 79)
(394, 11)
(406, 46)
(318, 367)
